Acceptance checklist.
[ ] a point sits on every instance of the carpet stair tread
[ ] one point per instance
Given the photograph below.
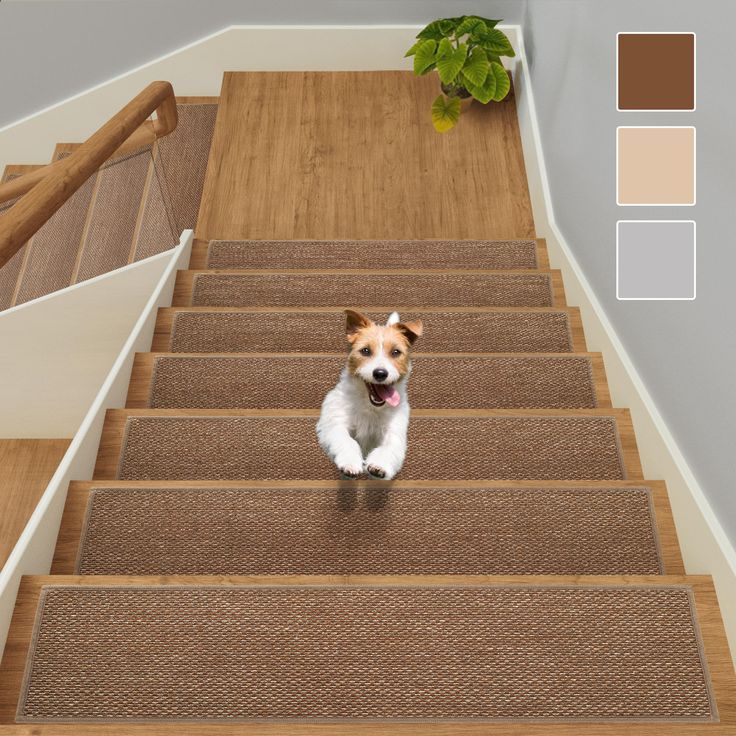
(341, 288)
(514, 444)
(500, 649)
(227, 330)
(371, 254)
(450, 382)
(369, 527)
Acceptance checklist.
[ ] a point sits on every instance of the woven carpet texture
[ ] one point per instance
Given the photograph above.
(393, 652)
(285, 448)
(450, 383)
(373, 254)
(374, 290)
(317, 332)
(371, 531)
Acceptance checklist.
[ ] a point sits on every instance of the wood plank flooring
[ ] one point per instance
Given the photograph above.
(353, 155)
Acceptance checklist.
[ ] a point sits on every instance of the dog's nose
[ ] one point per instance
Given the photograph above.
(380, 374)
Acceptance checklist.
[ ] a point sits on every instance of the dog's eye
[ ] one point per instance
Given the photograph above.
(365, 351)
(395, 353)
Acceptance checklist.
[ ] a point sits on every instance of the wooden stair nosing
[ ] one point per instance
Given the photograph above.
(75, 509)
(707, 612)
(139, 388)
(165, 318)
(111, 440)
(184, 285)
(200, 251)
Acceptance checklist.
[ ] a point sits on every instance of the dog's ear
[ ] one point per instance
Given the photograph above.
(411, 330)
(355, 322)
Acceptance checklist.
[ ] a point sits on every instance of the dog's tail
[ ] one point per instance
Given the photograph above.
(393, 318)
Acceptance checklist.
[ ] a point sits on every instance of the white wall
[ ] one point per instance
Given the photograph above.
(684, 351)
(57, 350)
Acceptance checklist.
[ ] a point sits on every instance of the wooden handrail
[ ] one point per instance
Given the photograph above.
(48, 188)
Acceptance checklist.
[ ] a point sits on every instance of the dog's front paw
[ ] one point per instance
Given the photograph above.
(350, 471)
(375, 471)
(350, 464)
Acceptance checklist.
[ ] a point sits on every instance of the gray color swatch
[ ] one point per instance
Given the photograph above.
(656, 260)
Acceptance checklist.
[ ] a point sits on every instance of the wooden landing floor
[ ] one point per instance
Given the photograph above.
(354, 155)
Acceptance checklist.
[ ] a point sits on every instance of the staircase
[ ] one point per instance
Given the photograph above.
(134, 207)
(519, 576)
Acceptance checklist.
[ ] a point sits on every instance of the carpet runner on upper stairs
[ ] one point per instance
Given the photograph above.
(225, 330)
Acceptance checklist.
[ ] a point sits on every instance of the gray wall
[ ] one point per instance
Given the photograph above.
(684, 351)
(79, 43)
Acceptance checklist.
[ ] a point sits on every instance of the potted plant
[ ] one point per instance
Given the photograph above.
(466, 52)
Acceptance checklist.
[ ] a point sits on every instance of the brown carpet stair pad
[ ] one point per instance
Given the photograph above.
(369, 531)
(332, 652)
(500, 289)
(446, 447)
(373, 254)
(451, 383)
(317, 332)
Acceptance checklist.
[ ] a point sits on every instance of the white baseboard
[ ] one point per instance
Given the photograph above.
(705, 547)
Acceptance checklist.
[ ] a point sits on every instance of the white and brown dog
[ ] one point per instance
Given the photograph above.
(364, 419)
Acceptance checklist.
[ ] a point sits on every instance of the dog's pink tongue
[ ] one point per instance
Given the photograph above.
(388, 393)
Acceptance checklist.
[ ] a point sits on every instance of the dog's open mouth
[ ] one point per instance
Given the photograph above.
(381, 393)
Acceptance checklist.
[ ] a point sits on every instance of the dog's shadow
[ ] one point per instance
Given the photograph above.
(375, 498)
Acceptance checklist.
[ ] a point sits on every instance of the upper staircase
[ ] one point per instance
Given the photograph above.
(521, 575)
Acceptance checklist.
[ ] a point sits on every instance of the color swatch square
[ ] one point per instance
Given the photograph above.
(655, 259)
(656, 71)
(655, 166)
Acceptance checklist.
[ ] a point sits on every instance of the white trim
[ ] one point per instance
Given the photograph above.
(695, 67)
(34, 549)
(657, 127)
(659, 298)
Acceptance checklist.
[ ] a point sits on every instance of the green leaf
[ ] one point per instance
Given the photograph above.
(449, 66)
(439, 29)
(489, 23)
(503, 83)
(445, 113)
(482, 92)
(471, 24)
(477, 67)
(413, 49)
(445, 48)
(496, 42)
(424, 57)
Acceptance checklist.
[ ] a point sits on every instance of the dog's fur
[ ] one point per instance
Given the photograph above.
(362, 427)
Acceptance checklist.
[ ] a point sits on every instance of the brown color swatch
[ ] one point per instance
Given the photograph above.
(536, 653)
(315, 332)
(452, 448)
(373, 290)
(447, 382)
(375, 254)
(371, 531)
(656, 71)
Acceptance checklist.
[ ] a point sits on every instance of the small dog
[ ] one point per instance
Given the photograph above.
(364, 419)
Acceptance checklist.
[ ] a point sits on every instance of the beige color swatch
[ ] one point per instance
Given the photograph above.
(656, 166)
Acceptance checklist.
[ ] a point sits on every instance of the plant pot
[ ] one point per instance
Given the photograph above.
(466, 99)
